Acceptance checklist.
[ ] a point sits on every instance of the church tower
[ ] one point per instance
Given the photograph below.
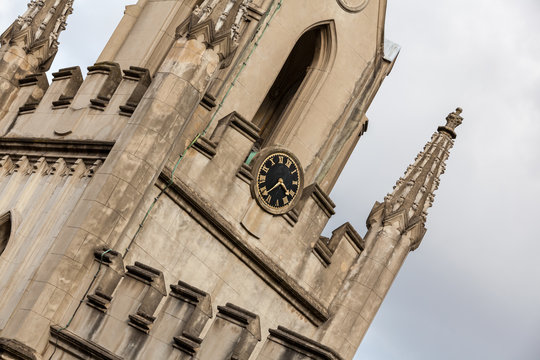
(169, 204)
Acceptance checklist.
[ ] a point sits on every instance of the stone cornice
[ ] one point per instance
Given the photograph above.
(303, 345)
(67, 340)
(51, 149)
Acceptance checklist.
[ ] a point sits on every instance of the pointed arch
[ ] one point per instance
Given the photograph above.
(297, 83)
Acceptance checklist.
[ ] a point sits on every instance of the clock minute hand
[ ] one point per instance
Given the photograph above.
(273, 187)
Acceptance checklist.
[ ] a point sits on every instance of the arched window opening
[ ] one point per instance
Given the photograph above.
(310, 51)
(5, 230)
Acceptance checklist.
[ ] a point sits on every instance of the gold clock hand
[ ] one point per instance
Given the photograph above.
(273, 187)
(284, 187)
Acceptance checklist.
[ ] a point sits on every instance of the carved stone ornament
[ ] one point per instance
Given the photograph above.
(353, 6)
(217, 23)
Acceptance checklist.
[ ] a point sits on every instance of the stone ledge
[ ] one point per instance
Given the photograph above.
(51, 149)
(257, 261)
(302, 344)
(16, 350)
(74, 344)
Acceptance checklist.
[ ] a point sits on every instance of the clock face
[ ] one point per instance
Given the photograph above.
(278, 182)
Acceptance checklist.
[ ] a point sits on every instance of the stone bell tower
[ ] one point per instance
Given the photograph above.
(170, 203)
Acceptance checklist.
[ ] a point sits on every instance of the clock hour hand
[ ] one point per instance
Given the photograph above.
(280, 182)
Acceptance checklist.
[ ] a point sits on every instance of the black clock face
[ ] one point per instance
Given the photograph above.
(278, 182)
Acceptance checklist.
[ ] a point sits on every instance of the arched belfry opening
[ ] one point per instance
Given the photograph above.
(5, 230)
(298, 80)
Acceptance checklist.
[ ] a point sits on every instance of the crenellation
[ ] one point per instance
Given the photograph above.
(38, 85)
(112, 80)
(69, 81)
(153, 293)
(109, 279)
(143, 79)
(326, 247)
(233, 335)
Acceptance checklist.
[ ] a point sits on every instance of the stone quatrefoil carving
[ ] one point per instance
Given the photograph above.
(353, 6)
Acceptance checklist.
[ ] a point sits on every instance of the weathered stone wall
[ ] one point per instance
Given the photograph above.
(39, 195)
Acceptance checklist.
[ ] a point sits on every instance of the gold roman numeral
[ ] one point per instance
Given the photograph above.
(263, 191)
(288, 163)
(264, 169)
(280, 159)
(268, 199)
(295, 182)
(262, 178)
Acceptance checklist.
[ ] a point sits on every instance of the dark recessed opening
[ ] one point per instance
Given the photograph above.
(287, 83)
(5, 231)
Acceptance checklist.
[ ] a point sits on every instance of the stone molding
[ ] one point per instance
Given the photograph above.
(89, 151)
(302, 345)
(82, 348)
(15, 350)
(263, 266)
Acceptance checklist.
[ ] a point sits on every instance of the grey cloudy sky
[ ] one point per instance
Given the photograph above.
(472, 289)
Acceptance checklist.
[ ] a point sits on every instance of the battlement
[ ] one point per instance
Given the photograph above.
(95, 108)
(181, 324)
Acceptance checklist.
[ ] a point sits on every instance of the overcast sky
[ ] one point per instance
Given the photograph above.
(472, 289)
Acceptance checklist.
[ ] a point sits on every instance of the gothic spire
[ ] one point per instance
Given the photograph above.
(406, 207)
(37, 30)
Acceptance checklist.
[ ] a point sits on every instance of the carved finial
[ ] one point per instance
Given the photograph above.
(220, 23)
(453, 120)
(406, 207)
(37, 30)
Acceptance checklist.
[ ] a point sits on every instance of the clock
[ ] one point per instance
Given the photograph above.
(278, 181)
